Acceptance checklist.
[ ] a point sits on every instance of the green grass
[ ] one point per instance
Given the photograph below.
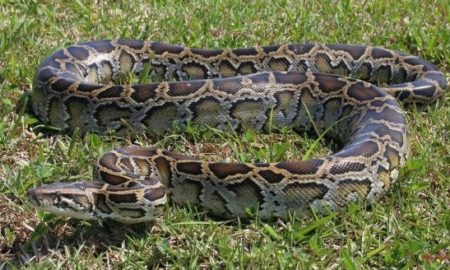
(408, 228)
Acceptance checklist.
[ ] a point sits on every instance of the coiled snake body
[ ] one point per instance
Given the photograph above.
(298, 86)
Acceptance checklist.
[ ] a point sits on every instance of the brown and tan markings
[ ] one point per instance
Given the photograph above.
(351, 89)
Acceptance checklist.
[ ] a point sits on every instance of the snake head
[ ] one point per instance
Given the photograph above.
(131, 203)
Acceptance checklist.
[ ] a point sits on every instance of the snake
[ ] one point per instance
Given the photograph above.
(355, 93)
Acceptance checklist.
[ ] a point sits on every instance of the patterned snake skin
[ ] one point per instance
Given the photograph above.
(303, 87)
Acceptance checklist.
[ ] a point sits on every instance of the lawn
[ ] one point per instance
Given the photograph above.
(408, 228)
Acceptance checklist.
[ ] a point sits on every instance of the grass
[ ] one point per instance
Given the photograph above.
(408, 229)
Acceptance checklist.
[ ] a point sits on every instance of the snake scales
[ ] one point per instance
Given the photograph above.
(297, 86)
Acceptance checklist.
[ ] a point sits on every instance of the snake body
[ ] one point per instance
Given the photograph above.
(350, 90)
